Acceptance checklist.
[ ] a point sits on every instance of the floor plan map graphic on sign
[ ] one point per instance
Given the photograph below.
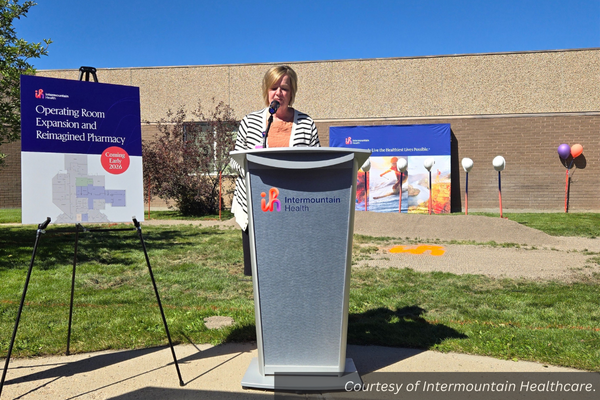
(80, 196)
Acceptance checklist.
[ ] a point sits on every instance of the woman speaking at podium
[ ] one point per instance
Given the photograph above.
(289, 128)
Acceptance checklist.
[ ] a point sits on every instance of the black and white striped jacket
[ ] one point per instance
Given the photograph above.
(304, 133)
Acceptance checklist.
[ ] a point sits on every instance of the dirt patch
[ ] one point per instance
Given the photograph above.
(498, 247)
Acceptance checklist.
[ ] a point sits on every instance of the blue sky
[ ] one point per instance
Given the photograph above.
(139, 33)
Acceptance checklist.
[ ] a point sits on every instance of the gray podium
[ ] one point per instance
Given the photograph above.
(301, 219)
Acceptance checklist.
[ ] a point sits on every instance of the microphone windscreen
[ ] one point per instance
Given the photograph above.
(274, 106)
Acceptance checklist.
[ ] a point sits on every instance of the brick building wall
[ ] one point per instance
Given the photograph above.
(534, 179)
(10, 176)
(518, 105)
(455, 85)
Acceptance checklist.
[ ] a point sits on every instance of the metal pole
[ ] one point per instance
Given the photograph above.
(40, 230)
(162, 313)
(467, 195)
(72, 289)
(266, 134)
(567, 192)
(367, 191)
(149, 195)
(500, 192)
(400, 192)
(430, 205)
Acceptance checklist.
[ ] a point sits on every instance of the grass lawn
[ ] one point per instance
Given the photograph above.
(199, 274)
(10, 215)
(175, 214)
(13, 215)
(556, 224)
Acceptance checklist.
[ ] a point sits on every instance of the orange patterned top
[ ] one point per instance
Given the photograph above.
(279, 134)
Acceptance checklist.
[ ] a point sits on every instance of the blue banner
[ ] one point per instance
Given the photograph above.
(68, 116)
(409, 168)
(394, 140)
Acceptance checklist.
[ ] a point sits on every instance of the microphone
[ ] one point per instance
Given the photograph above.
(274, 107)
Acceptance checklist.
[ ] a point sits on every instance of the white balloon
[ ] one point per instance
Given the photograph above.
(467, 164)
(402, 164)
(428, 163)
(499, 163)
(366, 166)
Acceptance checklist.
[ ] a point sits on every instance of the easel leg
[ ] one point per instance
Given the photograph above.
(162, 313)
(40, 230)
(72, 289)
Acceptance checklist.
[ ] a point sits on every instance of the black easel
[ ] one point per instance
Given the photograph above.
(92, 71)
(40, 230)
(87, 71)
(78, 227)
(138, 228)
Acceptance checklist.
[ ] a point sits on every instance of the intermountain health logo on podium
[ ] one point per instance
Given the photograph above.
(292, 204)
(273, 200)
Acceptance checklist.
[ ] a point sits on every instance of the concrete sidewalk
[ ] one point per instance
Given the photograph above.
(209, 372)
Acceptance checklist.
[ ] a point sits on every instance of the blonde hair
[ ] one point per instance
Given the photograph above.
(273, 75)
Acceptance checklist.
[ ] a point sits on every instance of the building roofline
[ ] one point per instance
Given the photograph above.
(462, 116)
(342, 60)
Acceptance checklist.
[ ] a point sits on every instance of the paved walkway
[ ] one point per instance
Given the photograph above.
(208, 372)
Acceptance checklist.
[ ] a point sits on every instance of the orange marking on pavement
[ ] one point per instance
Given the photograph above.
(420, 249)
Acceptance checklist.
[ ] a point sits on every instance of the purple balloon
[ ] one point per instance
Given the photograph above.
(564, 151)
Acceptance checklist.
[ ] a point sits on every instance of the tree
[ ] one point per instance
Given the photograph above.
(14, 53)
(185, 161)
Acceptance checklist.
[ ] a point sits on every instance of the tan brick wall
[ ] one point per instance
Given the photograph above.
(10, 176)
(519, 105)
(534, 178)
(473, 84)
